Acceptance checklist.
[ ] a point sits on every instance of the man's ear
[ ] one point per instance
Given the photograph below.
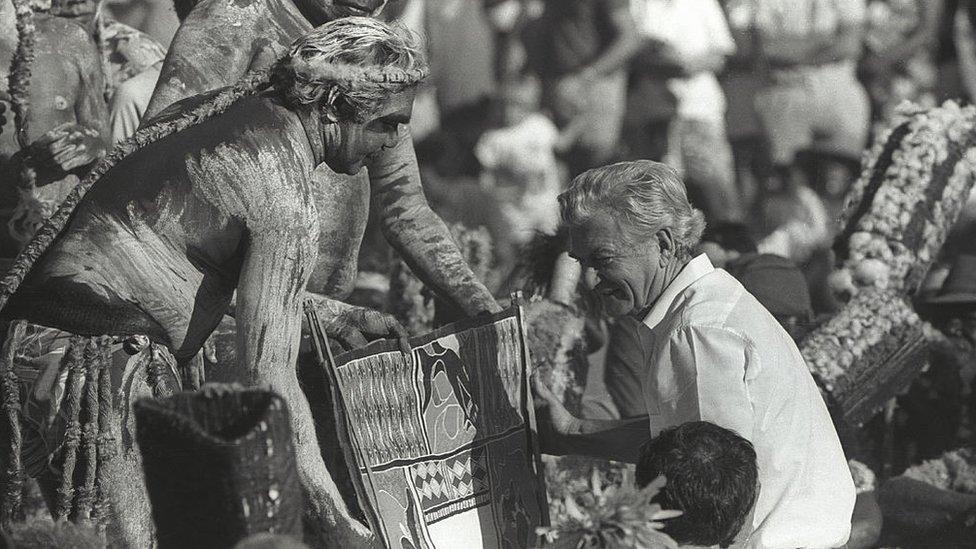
(666, 243)
(331, 104)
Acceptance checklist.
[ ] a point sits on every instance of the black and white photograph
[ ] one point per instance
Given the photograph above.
(487, 274)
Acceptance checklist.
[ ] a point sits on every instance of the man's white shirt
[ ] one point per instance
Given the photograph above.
(713, 353)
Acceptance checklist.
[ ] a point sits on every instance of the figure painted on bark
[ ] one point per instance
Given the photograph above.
(221, 40)
(55, 126)
(214, 197)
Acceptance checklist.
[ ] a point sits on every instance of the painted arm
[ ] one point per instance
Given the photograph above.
(353, 326)
(277, 264)
(418, 234)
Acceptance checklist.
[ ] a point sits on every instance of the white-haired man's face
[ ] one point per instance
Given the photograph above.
(630, 275)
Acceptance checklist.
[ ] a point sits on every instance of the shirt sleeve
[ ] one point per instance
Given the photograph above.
(718, 391)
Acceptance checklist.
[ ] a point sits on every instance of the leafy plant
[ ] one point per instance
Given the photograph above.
(609, 517)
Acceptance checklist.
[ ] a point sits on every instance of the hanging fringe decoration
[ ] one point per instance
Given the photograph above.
(12, 473)
(78, 356)
(18, 82)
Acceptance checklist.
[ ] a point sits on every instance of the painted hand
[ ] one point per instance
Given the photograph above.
(356, 327)
(67, 147)
(489, 306)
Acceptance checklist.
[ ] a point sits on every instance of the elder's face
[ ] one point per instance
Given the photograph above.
(359, 140)
(624, 271)
(323, 11)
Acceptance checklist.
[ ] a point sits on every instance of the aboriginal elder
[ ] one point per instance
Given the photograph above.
(709, 352)
(219, 41)
(126, 282)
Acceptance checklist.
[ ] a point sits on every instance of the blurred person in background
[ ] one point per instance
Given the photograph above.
(954, 53)
(899, 47)
(694, 36)
(580, 49)
(65, 129)
(157, 18)
(811, 98)
(519, 163)
(937, 411)
(508, 19)
(462, 56)
(131, 62)
(725, 242)
(741, 81)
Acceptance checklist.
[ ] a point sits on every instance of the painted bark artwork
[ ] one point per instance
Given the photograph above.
(442, 443)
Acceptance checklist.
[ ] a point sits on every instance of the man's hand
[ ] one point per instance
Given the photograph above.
(354, 328)
(66, 148)
(560, 420)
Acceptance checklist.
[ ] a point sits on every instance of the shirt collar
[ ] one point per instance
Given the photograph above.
(695, 269)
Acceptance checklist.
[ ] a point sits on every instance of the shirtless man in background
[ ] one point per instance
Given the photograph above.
(66, 122)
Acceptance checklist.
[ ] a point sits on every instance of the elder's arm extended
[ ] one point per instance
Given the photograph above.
(418, 234)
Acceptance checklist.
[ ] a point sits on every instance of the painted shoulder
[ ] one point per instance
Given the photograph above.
(66, 37)
(264, 161)
(241, 11)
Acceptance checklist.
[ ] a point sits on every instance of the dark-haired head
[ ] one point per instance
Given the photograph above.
(712, 478)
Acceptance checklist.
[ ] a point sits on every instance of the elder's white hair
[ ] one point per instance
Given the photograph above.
(350, 66)
(645, 196)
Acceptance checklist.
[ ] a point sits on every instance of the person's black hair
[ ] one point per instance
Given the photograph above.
(712, 478)
(731, 236)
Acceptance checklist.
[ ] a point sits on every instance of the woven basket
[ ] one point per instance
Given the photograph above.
(219, 466)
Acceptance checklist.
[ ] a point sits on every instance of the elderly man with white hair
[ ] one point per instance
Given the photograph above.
(711, 352)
